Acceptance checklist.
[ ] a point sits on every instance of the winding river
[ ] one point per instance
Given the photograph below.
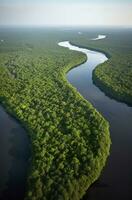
(115, 183)
(116, 179)
(14, 157)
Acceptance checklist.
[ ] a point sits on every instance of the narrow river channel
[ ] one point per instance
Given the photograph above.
(14, 157)
(115, 183)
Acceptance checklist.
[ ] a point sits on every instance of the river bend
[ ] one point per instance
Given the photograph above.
(116, 179)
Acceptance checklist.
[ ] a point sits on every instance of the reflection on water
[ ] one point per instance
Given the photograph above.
(14, 158)
(115, 183)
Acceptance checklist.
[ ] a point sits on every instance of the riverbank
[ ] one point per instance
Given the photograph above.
(113, 178)
(108, 88)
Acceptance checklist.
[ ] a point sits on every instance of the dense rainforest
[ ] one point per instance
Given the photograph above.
(114, 77)
(70, 139)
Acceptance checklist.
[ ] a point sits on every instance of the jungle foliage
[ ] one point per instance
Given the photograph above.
(70, 139)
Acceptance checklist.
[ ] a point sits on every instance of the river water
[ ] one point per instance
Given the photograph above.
(115, 182)
(14, 157)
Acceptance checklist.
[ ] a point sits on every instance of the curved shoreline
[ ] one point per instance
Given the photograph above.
(119, 116)
(102, 159)
(103, 87)
(109, 92)
(98, 50)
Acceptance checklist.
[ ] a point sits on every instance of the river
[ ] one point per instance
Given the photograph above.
(115, 182)
(14, 157)
(116, 179)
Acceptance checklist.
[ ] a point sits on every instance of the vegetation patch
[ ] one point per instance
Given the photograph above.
(70, 139)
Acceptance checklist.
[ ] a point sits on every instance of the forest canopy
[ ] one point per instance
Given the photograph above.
(70, 139)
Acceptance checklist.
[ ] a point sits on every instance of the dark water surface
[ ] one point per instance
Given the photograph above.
(14, 157)
(115, 183)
